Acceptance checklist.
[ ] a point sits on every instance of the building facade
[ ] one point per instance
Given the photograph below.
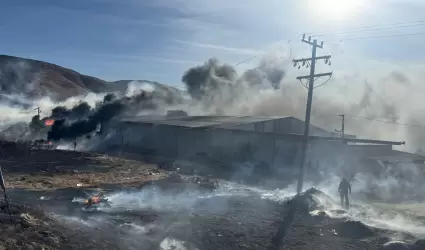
(274, 141)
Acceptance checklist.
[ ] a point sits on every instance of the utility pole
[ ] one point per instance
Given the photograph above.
(38, 111)
(312, 63)
(342, 126)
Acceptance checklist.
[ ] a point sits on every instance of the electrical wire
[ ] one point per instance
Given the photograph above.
(387, 122)
(305, 85)
(375, 37)
(324, 82)
(385, 36)
(259, 54)
(369, 27)
(368, 30)
(354, 30)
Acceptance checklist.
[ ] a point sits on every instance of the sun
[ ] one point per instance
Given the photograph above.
(337, 9)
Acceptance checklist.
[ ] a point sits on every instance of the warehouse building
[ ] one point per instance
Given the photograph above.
(273, 141)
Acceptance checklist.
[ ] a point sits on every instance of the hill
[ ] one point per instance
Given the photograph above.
(33, 79)
(123, 86)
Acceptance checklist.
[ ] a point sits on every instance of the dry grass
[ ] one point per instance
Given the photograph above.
(44, 169)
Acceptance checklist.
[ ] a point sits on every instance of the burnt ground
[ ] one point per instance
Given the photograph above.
(152, 210)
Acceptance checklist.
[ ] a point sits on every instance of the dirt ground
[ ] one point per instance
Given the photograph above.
(155, 209)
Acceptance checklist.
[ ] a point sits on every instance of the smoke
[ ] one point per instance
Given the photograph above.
(218, 89)
(80, 110)
(17, 76)
(215, 88)
(372, 102)
(270, 71)
(135, 87)
(60, 130)
(83, 119)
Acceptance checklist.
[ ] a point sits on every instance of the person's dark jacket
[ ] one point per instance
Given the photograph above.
(344, 187)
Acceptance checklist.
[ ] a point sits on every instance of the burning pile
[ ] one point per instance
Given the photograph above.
(49, 122)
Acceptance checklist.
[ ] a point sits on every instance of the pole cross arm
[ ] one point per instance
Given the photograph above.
(309, 59)
(313, 44)
(317, 75)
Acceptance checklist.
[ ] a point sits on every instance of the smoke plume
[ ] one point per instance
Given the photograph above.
(82, 119)
(215, 88)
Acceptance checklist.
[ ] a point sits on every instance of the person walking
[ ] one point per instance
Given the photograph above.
(343, 189)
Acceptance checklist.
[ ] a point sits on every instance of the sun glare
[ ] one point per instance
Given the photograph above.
(337, 9)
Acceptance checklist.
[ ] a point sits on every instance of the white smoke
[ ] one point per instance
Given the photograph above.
(172, 244)
(135, 87)
(269, 90)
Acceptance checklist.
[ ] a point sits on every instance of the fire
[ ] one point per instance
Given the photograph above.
(49, 122)
(94, 200)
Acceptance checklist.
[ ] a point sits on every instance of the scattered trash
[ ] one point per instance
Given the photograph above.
(79, 184)
(28, 220)
(334, 232)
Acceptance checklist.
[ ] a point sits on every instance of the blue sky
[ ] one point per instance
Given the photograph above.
(160, 39)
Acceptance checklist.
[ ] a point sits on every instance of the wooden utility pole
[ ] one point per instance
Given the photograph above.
(312, 63)
(342, 126)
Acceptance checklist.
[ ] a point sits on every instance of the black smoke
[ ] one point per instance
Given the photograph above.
(62, 130)
(202, 81)
(82, 120)
(109, 97)
(212, 84)
(82, 109)
(215, 82)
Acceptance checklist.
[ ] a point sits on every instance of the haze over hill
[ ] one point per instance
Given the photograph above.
(33, 79)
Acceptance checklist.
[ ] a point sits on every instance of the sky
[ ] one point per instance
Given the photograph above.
(160, 39)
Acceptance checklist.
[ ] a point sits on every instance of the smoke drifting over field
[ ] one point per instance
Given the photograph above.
(215, 88)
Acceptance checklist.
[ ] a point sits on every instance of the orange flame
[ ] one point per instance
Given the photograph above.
(49, 122)
(94, 200)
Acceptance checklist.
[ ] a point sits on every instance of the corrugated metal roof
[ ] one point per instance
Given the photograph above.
(395, 156)
(223, 122)
(199, 121)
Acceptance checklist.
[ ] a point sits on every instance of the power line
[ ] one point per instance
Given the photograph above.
(387, 122)
(324, 82)
(354, 30)
(385, 36)
(259, 54)
(368, 30)
(368, 27)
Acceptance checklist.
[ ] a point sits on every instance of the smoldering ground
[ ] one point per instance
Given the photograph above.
(212, 220)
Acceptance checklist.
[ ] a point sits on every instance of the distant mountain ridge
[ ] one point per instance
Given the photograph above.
(34, 79)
